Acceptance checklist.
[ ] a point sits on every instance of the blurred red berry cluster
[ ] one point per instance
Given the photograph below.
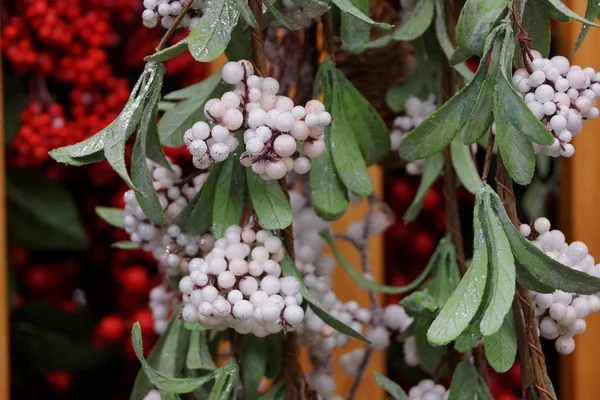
(75, 62)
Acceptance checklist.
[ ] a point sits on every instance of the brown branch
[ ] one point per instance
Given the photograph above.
(488, 156)
(329, 43)
(533, 364)
(186, 7)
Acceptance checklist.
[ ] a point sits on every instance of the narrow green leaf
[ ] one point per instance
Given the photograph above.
(419, 303)
(536, 21)
(477, 19)
(460, 54)
(229, 194)
(198, 355)
(141, 178)
(289, 269)
(199, 89)
(113, 216)
(328, 194)
(445, 277)
(348, 159)
(416, 22)
(270, 203)
(125, 245)
(254, 354)
(460, 309)
(85, 152)
(469, 337)
(211, 35)
(354, 32)
(177, 120)
(442, 35)
(483, 391)
(226, 383)
(464, 382)
(464, 166)
(547, 270)
(431, 171)
(439, 129)
(347, 7)
(247, 13)
(502, 271)
(239, 47)
(566, 12)
(281, 17)
(274, 361)
(367, 283)
(590, 13)
(168, 383)
(391, 387)
(197, 216)
(525, 278)
(169, 52)
(481, 118)
(429, 355)
(501, 347)
(42, 215)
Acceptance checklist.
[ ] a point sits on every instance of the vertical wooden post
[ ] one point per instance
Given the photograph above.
(579, 212)
(4, 356)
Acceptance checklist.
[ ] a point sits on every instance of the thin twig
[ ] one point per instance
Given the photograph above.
(488, 156)
(362, 367)
(186, 7)
(328, 33)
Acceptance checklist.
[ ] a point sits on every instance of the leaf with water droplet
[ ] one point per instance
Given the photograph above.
(501, 347)
(211, 35)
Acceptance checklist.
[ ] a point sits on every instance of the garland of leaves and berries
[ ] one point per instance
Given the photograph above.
(224, 238)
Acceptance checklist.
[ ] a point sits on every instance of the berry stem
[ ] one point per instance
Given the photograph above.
(531, 356)
(291, 370)
(488, 156)
(175, 26)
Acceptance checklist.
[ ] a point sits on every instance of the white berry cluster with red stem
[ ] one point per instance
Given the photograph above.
(239, 285)
(169, 245)
(561, 315)
(428, 390)
(166, 11)
(560, 95)
(279, 136)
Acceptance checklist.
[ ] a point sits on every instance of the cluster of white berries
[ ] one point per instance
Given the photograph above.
(169, 246)
(561, 315)
(416, 111)
(428, 390)
(560, 95)
(167, 10)
(238, 285)
(274, 127)
(162, 304)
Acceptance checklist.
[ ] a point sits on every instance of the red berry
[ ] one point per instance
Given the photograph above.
(39, 280)
(432, 201)
(401, 194)
(135, 279)
(423, 243)
(144, 317)
(506, 395)
(60, 381)
(111, 328)
(514, 375)
(396, 235)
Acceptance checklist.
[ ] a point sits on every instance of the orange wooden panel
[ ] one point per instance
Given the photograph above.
(580, 214)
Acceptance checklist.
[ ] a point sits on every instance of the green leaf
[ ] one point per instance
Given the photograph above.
(459, 55)
(126, 123)
(477, 19)
(254, 356)
(229, 194)
(566, 12)
(525, 278)
(460, 309)
(501, 347)
(354, 32)
(469, 337)
(85, 152)
(431, 171)
(415, 22)
(247, 13)
(445, 276)
(536, 21)
(442, 35)
(42, 215)
(483, 391)
(197, 216)
(279, 16)
(165, 382)
(177, 120)
(125, 245)
(441, 127)
(530, 201)
(348, 160)
(367, 283)
(328, 194)
(209, 38)
(169, 52)
(547, 270)
(270, 203)
(429, 356)
(418, 303)
(141, 178)
(226, 383)
(347, 7)
(391, 387)
(464, 166)
(481, 118)
(289, 269)
(113, 216)
(590, 13)
(239, 47)
(274, 360)
(199, 89)
(501, 276)
(198, 355)
(464, 382)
